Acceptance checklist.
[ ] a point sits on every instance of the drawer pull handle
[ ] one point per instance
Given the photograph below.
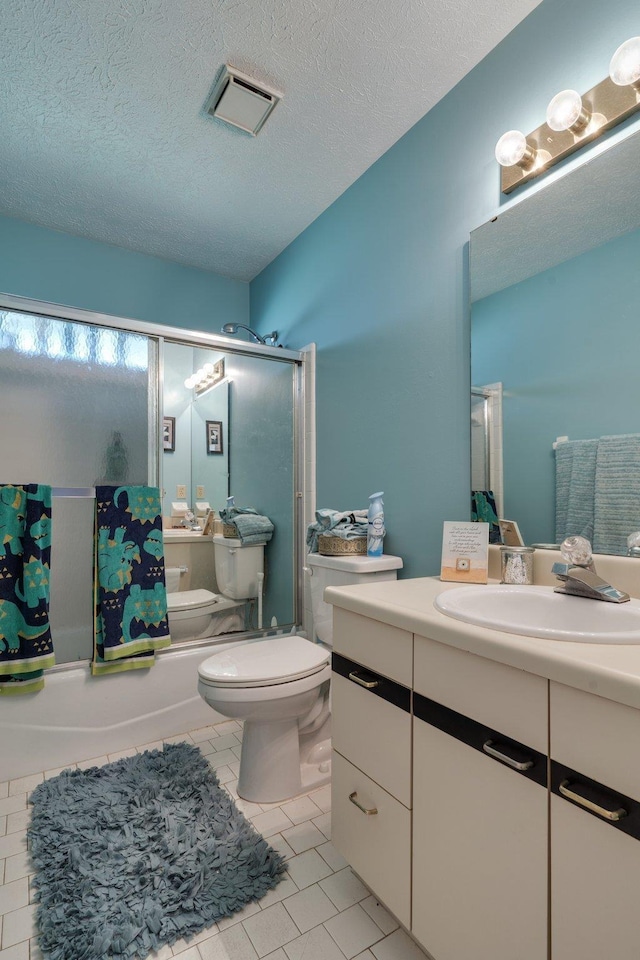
(612, 815)
(489, 748)
(367, 684)
(368, 810)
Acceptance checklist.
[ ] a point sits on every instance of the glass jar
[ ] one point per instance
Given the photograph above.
(516, 564)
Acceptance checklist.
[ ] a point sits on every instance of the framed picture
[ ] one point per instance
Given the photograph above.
(214, 436)
(169, 434)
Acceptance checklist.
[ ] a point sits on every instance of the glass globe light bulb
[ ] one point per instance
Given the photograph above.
(511, 148)
(189, 383)
(565, 110)
(208, 369)
(624, 68)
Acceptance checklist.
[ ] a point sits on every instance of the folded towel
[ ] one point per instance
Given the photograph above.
(228, 514)
(347, 525)
(617, 493)
(575, 488)
(253, 528)
(483, 510)
(130, 597)
(26, 646)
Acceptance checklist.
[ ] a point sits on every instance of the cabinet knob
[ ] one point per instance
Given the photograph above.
(370, 811)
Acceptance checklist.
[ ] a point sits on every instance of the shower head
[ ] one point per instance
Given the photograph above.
(232, 328)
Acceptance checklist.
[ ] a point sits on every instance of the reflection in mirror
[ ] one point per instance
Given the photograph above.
(237, 438)
(555, 288)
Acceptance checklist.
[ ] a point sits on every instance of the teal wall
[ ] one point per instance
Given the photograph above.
(380, 280)
(56, 267)
(564, 345)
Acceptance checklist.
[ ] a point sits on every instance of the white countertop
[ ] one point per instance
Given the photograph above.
(607, 670)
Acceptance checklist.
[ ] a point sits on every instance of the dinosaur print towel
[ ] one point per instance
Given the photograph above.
(130, 621)
(26, 646)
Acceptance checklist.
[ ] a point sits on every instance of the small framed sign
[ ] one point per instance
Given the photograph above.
(214, 436)
(465, 552)
(169, 434)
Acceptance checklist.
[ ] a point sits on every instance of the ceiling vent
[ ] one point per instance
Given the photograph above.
(241, 101)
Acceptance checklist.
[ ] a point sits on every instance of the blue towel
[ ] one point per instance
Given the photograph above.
(575, 488)
(130, 597)
(348, 525)
(228, 514)
(26, 646)
(617, 493)
(253, 528)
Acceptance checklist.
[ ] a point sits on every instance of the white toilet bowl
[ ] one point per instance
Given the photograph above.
(197, 614)
(279, 687)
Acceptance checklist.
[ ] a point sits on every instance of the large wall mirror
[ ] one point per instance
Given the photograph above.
(555, 289)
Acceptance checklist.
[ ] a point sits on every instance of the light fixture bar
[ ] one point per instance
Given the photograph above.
(607, 104)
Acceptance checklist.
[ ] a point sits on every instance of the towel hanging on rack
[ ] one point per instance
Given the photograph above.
(26, 646)
(130, 621)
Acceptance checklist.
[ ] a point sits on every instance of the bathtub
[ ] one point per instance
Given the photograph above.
(77, 716)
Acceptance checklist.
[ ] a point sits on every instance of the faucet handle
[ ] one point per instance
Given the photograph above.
(576, 551)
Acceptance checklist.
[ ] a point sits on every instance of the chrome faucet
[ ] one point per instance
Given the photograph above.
(578, 573)
(190, 522)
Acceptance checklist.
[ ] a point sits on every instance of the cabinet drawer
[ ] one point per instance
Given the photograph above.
(385, 649)
(493, 694)
(376, 845)
(372, 726)
(597, 737)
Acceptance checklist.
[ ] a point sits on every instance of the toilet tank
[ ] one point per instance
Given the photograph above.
(340, 572)
(237, 567)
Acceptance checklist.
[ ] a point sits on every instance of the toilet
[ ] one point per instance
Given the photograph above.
(198, 614)
(279, 688)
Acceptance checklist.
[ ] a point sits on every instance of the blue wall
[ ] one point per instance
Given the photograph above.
(563, 343)
(380, 280)
(53, 266)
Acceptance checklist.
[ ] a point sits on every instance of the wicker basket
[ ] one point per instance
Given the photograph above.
(230, 530)
(329, 546)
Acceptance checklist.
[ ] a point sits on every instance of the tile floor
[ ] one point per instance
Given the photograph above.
(320, 911)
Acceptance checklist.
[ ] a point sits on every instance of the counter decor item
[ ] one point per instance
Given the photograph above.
(465, 551)
(333, 546)
(516, 564)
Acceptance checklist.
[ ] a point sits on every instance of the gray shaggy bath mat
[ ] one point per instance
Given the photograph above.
(140, 853)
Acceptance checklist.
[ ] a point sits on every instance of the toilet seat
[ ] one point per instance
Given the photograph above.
(264, 663)
(191, 600)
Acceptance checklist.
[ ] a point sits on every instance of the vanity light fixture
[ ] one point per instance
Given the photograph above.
(573, 120)
(208, 376)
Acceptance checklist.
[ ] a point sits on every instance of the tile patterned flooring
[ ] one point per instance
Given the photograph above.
(320, 911)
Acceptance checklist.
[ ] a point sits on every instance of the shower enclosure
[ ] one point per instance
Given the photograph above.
(84, 400)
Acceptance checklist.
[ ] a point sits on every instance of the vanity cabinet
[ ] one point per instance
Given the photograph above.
(496, 813)
(371, 767)
(479, 807)
(595, 857)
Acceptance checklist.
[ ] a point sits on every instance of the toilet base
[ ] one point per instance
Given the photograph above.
(270, 761)
(270, 767)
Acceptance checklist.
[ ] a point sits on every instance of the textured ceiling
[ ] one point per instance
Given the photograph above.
(104, 135)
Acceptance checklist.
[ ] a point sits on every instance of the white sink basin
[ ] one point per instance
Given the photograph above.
(539, 612)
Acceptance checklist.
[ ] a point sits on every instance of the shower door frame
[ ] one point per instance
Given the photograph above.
(160, 333)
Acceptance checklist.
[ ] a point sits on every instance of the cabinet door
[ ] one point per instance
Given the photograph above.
(479, 847)
(595, 827)
(595, 879)
(372, 830)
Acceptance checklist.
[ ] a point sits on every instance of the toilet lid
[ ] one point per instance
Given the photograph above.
(265, 663)
(190, 599)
